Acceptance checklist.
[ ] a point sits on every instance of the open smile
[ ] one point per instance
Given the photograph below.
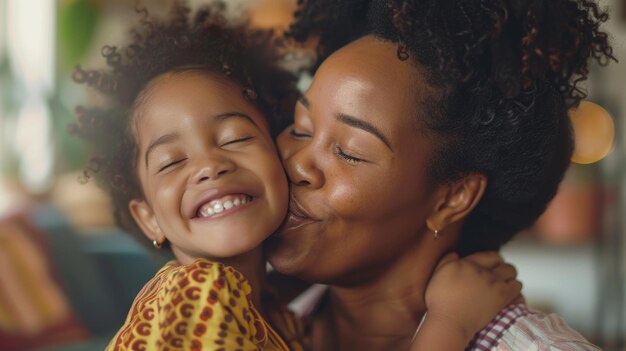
(224, 204)
(214, 205)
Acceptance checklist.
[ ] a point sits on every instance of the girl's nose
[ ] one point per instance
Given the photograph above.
(212, 169)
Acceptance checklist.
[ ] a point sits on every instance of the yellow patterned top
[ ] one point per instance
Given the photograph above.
(203, 306)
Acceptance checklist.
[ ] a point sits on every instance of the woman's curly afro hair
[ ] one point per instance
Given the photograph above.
(505, 73)
(202, 40)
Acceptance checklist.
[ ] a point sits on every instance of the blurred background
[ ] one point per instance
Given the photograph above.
(68, 276)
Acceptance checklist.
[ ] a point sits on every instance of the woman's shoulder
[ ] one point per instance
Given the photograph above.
(549, 331)
(517, 327)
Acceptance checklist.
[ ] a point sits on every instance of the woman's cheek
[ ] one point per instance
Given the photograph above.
(349, 197)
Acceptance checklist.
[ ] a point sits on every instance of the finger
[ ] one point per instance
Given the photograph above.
(450, 257)
(510, 292)
(519, 299)
(515, 290)
(486, 259)
(505, 272)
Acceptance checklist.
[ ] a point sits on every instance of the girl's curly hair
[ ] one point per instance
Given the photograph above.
(505, 74)
(203, 40)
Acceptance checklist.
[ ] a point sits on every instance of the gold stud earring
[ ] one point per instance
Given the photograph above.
(157, 244)
(436, 233)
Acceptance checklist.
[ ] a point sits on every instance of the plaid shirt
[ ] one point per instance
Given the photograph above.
(516, 328)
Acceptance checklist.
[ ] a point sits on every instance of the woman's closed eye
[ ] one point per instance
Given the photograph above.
(347, 157)
(298, 134)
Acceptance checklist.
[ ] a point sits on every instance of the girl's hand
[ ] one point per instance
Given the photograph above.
(465, 294)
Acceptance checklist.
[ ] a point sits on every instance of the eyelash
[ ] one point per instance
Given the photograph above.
(183, 159)
(295, 134)
(240, 140)
(350, 159)
(338, 151)
(171, 164)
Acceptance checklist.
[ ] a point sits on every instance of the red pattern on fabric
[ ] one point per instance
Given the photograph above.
(489, 337)
(197, 310)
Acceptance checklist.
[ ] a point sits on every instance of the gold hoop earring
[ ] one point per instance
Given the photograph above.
(436, 234)
(156, 244)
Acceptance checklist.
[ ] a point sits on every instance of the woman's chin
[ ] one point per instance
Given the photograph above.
(286, 256)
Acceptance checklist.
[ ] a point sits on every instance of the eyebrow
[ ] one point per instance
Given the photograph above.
(353, 122)
(363, 125)
(171, 137)
(163, 139)
(226, 115)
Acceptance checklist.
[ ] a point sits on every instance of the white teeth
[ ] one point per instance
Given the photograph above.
(218, 206)
(207, 211)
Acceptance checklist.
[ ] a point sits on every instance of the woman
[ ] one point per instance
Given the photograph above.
(441, 126)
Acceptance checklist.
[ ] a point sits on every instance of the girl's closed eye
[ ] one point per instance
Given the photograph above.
(167, 165)
(236, 132)
(238, 140)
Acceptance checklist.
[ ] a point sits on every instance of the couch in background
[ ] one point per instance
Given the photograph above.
(68, 290)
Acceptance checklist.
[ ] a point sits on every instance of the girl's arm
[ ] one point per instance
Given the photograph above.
(462, 297)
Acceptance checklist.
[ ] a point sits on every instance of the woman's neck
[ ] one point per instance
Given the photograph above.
(382, 314)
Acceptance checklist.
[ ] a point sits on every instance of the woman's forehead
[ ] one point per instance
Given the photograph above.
(366, 79)
(375, 57)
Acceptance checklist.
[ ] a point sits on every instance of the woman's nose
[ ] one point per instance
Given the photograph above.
(300, 162)
(212, 168)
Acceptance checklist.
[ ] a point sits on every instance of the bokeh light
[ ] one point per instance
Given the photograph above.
(594, 132)
(272, 14)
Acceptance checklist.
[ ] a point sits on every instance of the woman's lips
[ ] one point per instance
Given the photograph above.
(297, 216)
(296, 210)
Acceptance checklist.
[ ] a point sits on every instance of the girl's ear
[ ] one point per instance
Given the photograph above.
(457, 201)
(145, 218)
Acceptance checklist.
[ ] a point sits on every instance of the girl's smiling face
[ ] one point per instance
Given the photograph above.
(212, 181)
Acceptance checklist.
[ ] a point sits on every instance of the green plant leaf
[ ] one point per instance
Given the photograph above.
(77, 23)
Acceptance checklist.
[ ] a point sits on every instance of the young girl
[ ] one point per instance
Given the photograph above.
(186, 152)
